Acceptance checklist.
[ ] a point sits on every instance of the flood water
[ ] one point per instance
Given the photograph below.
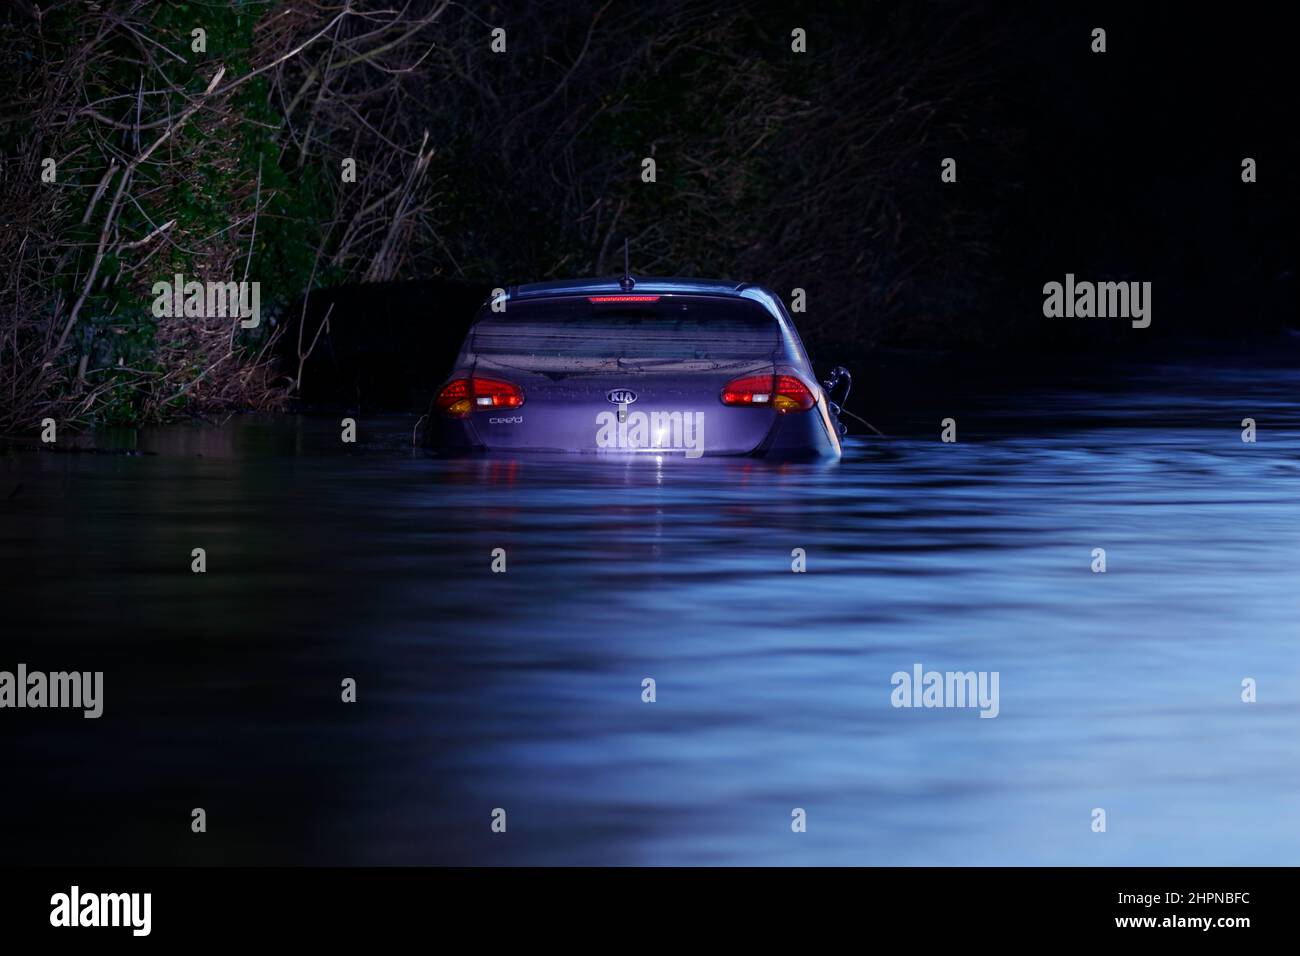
(523, 690)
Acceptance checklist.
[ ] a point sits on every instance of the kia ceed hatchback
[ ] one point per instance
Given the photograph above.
(683, 367)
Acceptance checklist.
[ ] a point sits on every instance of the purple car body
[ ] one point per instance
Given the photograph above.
(686, 367)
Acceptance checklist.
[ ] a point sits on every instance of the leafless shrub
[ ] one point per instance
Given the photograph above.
(74, 253)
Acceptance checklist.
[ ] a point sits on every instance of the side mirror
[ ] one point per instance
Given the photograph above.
(837, 387)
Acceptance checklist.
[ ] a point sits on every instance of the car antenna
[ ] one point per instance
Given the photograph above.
(627, 282)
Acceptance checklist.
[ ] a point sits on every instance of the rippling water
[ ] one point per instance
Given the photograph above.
(522, 690)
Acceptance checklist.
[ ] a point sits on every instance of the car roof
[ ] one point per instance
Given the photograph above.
(645, 284)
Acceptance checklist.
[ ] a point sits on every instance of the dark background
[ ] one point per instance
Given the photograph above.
(1124, 165)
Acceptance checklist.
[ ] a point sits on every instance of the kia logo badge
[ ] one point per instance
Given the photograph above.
(621, 396)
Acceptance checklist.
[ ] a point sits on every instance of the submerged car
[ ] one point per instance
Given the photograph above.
(628, 366)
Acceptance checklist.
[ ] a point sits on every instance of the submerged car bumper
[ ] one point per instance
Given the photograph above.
(716, 433)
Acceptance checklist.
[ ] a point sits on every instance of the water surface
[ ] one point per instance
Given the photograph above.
(522, 690)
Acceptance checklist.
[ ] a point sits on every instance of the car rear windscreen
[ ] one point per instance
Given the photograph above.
(673, 327)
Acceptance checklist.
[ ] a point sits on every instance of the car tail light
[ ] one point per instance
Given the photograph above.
(461, 396)
(785, 393)
(622, 298)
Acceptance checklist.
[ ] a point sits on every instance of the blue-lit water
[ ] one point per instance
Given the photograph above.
(523, 690)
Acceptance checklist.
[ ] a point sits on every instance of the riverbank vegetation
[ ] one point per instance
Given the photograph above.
(138, 149)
